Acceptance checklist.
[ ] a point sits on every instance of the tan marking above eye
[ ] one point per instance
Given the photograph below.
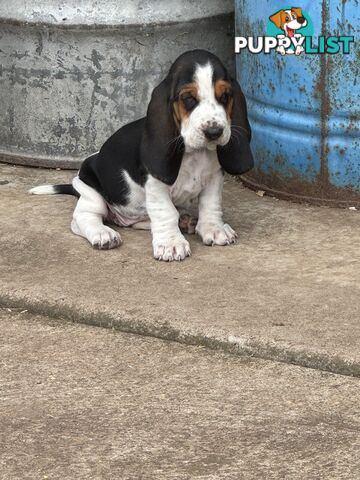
(221, 86)
(189, 88)
(180, 112)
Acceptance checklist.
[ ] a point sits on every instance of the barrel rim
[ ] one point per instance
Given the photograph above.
(28, 160)
(297, 198)
(94, 22)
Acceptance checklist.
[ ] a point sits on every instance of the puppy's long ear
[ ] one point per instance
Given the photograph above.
(276, 18)
(235, 157)
(161, 149)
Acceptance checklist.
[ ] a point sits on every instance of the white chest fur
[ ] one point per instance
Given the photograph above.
(195, 172)
(197, 168)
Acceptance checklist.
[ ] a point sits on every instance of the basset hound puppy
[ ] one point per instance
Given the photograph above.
(166, 169)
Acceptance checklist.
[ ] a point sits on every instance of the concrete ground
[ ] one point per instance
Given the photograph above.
(114, 405)
(80, 402)
(289, 290)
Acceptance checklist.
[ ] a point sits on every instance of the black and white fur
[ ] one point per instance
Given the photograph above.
(154, 169)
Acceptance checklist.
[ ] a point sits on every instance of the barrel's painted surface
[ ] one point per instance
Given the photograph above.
(71, 73)
(304, 110)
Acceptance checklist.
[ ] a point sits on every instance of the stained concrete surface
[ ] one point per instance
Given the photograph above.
(289, 290)
(73, 72)
(80, 402)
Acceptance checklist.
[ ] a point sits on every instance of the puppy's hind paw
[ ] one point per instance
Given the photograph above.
(187, 223)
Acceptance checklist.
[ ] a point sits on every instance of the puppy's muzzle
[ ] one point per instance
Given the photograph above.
(213, 133)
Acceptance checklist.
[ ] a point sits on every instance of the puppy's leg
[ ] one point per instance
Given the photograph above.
(168, 242)
(88, 218)
(210, 226)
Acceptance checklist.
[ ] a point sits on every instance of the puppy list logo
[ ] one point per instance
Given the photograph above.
(290, 32)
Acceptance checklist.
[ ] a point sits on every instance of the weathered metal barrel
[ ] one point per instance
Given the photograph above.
(304, 109)
(71, 73)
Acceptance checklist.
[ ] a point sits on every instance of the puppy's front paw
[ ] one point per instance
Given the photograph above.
(169, 250)
(216, 234)
(105, 239)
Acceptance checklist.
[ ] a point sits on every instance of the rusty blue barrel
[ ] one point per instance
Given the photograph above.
(303, 103)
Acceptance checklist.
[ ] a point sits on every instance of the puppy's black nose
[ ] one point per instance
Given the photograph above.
(212, 133)
(301, 20)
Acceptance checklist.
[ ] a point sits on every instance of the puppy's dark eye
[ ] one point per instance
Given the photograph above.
(287, 19)
(224, 98)
(190, 103)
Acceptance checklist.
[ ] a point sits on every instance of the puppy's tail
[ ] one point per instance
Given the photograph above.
(65, 189)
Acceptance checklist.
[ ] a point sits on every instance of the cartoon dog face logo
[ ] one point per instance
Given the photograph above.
(289, 21)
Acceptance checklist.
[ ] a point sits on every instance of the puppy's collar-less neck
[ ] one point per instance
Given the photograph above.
(200, 150)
